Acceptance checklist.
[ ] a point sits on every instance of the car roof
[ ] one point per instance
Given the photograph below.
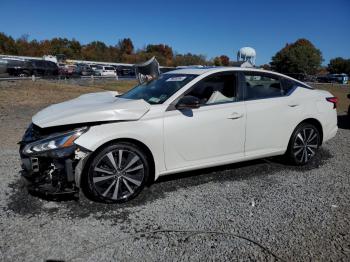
(215, 69)
(202, 70)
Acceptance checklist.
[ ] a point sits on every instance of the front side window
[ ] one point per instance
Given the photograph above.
(260, 86)
(216, 89)
(159, 90)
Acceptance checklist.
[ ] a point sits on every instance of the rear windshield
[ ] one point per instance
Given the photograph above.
(159, 90)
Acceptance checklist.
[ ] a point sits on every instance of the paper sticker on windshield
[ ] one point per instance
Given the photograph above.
(154, 100)
(176, 78)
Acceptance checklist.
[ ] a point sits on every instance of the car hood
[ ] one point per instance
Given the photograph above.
(93, 107)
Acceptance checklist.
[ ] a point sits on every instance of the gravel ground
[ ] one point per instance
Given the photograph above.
(258, 210)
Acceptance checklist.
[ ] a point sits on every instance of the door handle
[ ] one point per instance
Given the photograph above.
(293, 105)
(235, 115)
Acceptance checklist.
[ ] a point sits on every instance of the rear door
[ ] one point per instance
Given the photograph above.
(271, 113)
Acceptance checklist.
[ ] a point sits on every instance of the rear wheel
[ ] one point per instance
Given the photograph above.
(118, 173)
(303, 144)
(23, 74)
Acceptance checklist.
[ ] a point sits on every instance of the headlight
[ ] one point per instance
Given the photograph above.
(58, 141)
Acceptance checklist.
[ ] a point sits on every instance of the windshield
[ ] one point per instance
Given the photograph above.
(160, 89)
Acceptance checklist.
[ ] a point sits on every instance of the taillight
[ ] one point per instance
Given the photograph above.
(333, 100)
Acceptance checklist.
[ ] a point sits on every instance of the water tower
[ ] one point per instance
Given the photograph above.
(246, 54)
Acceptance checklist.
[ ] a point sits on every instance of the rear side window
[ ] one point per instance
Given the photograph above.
(260, 86)
(289, 85)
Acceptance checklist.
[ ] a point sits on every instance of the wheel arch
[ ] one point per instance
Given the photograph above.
(317, 124)
(313, 121)
(136, 142)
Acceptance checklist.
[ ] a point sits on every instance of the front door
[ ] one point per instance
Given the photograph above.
(212, 134)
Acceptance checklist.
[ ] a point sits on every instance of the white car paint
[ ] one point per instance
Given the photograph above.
(208, 136)
(94, 107)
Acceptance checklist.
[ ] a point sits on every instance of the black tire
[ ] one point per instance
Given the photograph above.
(303, 145)
(116, 182)
(24, 74)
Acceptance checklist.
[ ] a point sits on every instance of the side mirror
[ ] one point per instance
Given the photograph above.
(349, 96)
(188, 102)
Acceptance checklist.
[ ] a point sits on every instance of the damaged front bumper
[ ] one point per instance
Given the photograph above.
(54, 173)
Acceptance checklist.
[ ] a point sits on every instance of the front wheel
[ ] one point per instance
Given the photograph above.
(303, 144)
(23, 74)
(117, 173)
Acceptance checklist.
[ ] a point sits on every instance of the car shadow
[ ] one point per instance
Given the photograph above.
(22, 204)
(344, 121)
(245, 170)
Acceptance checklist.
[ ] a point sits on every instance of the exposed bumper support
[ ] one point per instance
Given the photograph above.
(54, 178)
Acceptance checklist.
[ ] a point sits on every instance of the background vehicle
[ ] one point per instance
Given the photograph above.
(339, 78)
(84, 70)
(334, 78)
(112, 146)
(3, 66)
(70, 69)
(44, 68)
(32, 67)
(62, 70)
(349, 106)
(125, 71)
(105, 71)
(94, 67)
(19, 67)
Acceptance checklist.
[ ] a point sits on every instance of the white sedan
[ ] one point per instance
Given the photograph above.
(106, 71)
(111, 146)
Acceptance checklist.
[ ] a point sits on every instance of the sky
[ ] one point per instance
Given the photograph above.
(210, 28)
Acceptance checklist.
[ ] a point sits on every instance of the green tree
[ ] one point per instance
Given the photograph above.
(23, 46)
(266, 67)
(99, 51)
(189, 59)
(225, 60)
(164, 53)
(7, 45)
(126, 46)
(339, 65)
(75, 48)
(96, 51)
(217, 61)
(299, 57)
